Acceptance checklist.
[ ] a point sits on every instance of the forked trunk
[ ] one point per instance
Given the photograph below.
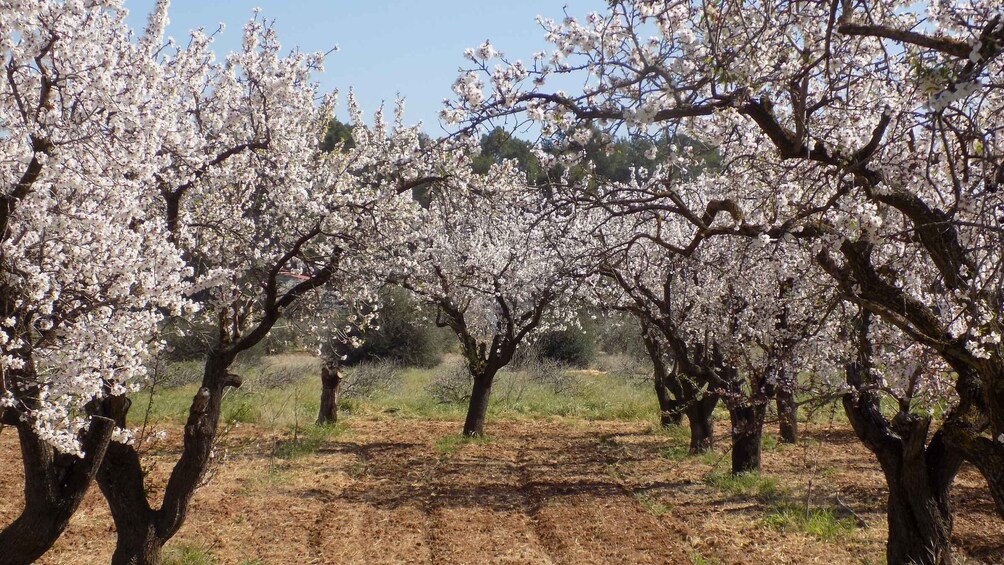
(331, 380)
(919, 476)
(54, 486)
(142, 531)
(474, 424)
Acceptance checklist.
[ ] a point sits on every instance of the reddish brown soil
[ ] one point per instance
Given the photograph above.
(540, 492)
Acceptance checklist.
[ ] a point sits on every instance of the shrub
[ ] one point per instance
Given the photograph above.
(364, 379)
(402, 333)
(571, 346)
(548, 373)
(452, 385)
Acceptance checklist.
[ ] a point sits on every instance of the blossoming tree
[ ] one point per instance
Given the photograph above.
(85, 274)
(246, 193)
(494, 267)
(874, 123)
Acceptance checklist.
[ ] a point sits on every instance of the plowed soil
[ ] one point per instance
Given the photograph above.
(566, 491)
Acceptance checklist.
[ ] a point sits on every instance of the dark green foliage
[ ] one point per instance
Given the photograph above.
(572, 346)
(187, 341)
(618, 333)
(499, 145)
(338, 135)
(403, 334)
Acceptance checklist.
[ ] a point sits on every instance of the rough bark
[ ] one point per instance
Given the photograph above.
(54, 486)
(700, 418)
(746, 417)
(787, 414)
(142, 531)
(670, 413)
(664, 379)
(474, 424)
(919, 476)
(331, 380)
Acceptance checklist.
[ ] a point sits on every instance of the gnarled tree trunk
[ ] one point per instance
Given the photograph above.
(664, 379)
(54, 486)
(747, 419)
(700, 410)
(919, 477)
(670, 413)
(142, 531)
(331, 380)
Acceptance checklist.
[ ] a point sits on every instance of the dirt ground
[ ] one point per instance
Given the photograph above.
(568, 491)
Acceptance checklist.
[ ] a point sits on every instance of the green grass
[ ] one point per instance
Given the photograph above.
(784, 513)
(819, 522)
(448, 445)
(697, 559)
(651, 504)
(753, 485)
(188, 555)
(515, 395)
(307, 441)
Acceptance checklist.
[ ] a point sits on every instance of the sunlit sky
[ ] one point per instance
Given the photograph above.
(386, 47)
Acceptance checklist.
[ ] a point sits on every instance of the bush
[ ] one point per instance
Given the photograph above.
(550, 374)
(571, 346)
(620, 334)
(402, 334)
(452, 385)
(366, 378)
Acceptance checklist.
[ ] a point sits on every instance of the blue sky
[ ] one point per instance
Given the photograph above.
(387, 47)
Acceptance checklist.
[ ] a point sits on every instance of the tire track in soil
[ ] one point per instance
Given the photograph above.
(532, 504)
(590, 515)
(479, 514)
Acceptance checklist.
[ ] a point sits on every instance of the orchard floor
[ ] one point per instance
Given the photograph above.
(561, 491)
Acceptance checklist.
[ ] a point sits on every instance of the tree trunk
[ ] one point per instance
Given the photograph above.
(787, 414)
(54, 486)
(700, 417)
(474, 424)
(919, 477)
(331, 380)
(138, 545)
(142, 531)
(664, 379)
(747, 418)
(669, 408)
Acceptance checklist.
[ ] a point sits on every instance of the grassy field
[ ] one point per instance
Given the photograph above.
(282, 392)
(573, 470)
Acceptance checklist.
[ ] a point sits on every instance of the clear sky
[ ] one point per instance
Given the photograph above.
(387, 47)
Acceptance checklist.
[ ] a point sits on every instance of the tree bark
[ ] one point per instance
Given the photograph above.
(474, 424)
(787, 414)
(747, 417)
(142, 531)
(700, 417)
(54, 486)
(664, 379)
(331, 380)
(919, 476)
(669, 407)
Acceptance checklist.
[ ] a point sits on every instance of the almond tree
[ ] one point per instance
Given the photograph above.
(877, 121)
(250, 198)
(494, 267)
(85, 275)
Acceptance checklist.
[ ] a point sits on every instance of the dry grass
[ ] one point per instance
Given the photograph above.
(560, 491)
